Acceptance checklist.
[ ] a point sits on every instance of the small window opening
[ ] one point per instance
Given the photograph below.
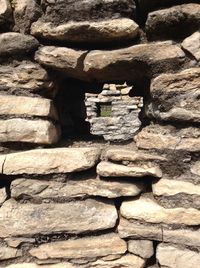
(105, 109)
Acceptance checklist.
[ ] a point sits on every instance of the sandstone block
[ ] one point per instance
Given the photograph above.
(108, 169)
(195, 169)
(32, 131)
(175, 97)
(89, 247)
(142, 248)
(175, 22)
(19, 105)
(87, 31)
(5, 14)
(192, 45)
(146, 209)
(74, 188)
(48, 161)
(7, 253)
(3, 195)
(25, 13)
(173, 257)
(169, 138)
(16, 43)
(27, 76)
(133, 62)
(30, 219)
(67, 60)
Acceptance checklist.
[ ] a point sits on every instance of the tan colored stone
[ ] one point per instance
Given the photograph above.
(48, 161)
(192, 45)
(167, 187)
(3, 195)
(108, 169)
(136, 230)
(7, 253)
(67, 60)
(146, 209)
(132, 62)
(142, 248)
(24, 130)
(74, 188)
(174, 257)
(87, 31)
(34, 265)
(27, 76)
(175, 96)
(88, 247)
(195, 169)
(15, 242)
(19, 105)
(30, 219)
(169, 138)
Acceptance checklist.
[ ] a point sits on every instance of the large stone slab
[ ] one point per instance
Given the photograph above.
(27, 106)
(49, 161)
(67, 60)
(175, 22)
(133, 62)
(173, 257)
(32, 131)
(28, 76)
(88, 247)
(146, 209)
(87, 31)
(175, 97)
(38, 189)
(12, 44)
(108, 169)
(192, 45)
(5, 14)
(169, 138)
(30, 219)
(137, 230)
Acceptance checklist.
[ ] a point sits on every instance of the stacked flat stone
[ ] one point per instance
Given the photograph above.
(134, 204)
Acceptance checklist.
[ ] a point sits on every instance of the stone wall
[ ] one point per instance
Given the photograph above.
(79, 203)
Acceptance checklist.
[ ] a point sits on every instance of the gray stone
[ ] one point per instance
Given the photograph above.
(142, 248)
(30, 219)
(192, 45)
(32, 131)
(12, 44)
(7, 253)
(49, 161)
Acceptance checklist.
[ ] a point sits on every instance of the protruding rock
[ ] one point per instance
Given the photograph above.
(146, 209)
(169, 138)
(174, 257)
(175, 22)
(142, 248)
(88, 31)
(108, 169)
(7, 253)
(3, 195)
(175, 97)
(67, 60)
(192, 45)
(16, 43)
(5, 14)
(32, 131)
(133, 63)
(30, 219)
(19, 105)
(88, 247)
(48, 161)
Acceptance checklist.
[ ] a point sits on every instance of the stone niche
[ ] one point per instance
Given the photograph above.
(112, 113)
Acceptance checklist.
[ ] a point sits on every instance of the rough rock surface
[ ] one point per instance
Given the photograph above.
(32, 131)
(142, 248)
(133, 62)
(166, 106)
(86, 31)
(169, 138)
(88, 247)
(16, 43)
(9, 253)
(48, 161)
(192, 45)
(29, 219)
(5, 15)
(108, 169)
(175, 22)
(27, 106)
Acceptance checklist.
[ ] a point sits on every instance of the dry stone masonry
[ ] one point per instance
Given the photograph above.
(99, 134)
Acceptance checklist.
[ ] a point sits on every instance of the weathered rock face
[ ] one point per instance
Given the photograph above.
(30, 219)
(192, 45)
(9, 253)
(16, 43)
(170, 22)
(166, 106)
(48, 161)
(142, 248)
(5, 15)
